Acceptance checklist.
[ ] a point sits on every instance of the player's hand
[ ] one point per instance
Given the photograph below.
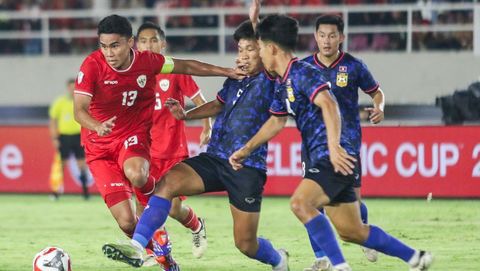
(176, 109)
(375, 115)
(342, 161)
(236, 73)
(254, 12)
(237, 158)
(205, 136)
(242, 64)
(105, 128)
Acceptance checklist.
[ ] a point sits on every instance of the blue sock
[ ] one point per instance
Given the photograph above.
(387, 244)
(319, 253)
(321, 233)
(364, 212)
(266, 253)
(152, 218)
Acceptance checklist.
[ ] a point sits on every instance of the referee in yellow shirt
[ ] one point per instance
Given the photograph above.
(65, 133)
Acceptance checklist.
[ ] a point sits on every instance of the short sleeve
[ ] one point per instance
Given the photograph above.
(188, 86)
(277, 108)
(222, 95)
(87, 78)
(311, 83)
(366, 81)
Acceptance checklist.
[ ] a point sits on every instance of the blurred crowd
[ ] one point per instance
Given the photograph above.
(357, 42)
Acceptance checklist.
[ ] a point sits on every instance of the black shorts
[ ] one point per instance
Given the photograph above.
(338, 187)
(244, 187)
(70, 144)
(358, 181)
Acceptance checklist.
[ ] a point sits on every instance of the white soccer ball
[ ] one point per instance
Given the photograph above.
(52, 259)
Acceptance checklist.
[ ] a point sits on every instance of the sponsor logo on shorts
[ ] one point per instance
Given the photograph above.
(249, 200)
(314, 170)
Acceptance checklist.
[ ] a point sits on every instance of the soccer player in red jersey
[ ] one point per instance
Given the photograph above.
(169, 143)
(113, 101)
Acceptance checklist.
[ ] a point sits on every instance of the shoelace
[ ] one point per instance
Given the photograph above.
(196, 239)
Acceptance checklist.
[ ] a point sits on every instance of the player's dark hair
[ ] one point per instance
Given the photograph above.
(244, 31)
(330, 19)
(280, 29)
(115, 24)
(154, 26)
(70, 81)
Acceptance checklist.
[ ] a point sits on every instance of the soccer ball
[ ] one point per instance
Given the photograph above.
(52, 259)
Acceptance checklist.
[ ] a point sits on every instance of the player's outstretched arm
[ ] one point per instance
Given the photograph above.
(207, 110)
(194, 67)
(199, 100)
(81, 104)
(270, 128)
(254, 13)
(376, 113)
(341, 160)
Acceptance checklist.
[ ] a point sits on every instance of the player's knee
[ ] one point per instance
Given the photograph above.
(137, 177)
(298, 205)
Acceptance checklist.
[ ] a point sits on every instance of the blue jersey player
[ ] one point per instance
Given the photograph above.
(328, 155)
(241, 108)
(347, 74)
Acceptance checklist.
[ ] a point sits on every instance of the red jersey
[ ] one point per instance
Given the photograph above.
(127, 94)
(167, 133)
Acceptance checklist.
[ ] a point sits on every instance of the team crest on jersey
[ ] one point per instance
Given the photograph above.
(80, 77)
(291, 97)
(164, 84)
(142, 80)
(342, 79)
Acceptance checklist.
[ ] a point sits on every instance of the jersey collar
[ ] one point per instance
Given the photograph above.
(131, 64)
(285, 76)
(334, 63)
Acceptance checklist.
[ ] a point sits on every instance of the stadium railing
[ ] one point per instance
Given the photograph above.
(44, 32)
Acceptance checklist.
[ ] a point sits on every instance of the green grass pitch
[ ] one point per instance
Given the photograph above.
(28, 223)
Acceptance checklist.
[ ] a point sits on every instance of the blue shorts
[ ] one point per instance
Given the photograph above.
(244, 187)
(338, 187)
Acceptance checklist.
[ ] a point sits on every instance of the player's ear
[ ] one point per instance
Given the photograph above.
(342, 37)
(131, 41)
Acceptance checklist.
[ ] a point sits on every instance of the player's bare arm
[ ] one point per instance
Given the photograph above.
(199, 100)
(270, 128)
(342, 162)
(80, 107)
(207, 110)
(376, 113)
(254, 12)
(194, 67)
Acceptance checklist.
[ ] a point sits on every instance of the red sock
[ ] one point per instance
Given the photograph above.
(149, 187)
(191, 221)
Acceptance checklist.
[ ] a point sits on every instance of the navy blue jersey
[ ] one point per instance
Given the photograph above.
(246, 105)
(294, 95)
(347, 74)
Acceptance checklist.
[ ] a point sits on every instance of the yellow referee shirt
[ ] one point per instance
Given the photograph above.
(61, 110)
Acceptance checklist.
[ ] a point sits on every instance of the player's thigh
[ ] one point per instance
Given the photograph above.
(336, 186)
(110, 180)
(244, 186)
(180, 180)
(309, 193)
(245, 225)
